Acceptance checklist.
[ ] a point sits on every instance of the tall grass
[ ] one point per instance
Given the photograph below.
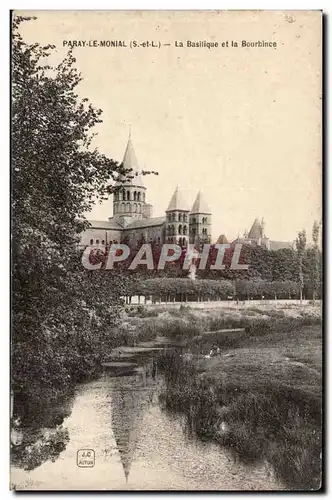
(186, 326)
(267, 421)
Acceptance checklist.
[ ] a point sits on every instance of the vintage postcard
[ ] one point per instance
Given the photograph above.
(166, 250)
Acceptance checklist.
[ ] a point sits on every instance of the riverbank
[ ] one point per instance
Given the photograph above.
(261, 398)
(259, 401)
(181, 323)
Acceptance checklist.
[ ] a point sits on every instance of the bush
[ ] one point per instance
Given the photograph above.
(173, 287)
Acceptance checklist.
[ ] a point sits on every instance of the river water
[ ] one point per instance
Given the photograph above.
(136, 446)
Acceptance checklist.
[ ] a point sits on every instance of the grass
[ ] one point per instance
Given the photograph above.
(265, 390)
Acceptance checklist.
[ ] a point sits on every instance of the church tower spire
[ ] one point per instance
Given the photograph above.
(129, 199)
(177, 219)
(200, 221)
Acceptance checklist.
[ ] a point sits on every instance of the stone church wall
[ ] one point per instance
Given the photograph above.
(100, 235)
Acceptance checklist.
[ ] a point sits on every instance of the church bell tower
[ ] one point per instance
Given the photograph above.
(129, 199)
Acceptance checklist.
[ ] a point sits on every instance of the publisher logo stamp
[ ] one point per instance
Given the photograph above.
(85, 457)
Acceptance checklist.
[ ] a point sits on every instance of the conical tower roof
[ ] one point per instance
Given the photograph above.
(222, 240)
(130, 163)
(256, 230)
(177, 201)
(200, 206)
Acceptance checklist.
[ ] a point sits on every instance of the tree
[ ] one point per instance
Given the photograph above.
(59, 309)
(316, 259)
(284, 265)
(301, 242)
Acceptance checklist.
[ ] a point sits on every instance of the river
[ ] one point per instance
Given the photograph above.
(133, 443)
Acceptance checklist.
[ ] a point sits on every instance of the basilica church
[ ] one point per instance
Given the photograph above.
(133, 222)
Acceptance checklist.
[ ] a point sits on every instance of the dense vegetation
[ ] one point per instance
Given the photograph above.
(284, 273)
(183, 289)
(60, 310)
(261, 399)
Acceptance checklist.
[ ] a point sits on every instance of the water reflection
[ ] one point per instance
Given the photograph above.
(131, 397)
(136, 445)
(38, 432)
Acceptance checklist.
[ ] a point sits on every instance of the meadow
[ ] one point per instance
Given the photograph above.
(261, 397)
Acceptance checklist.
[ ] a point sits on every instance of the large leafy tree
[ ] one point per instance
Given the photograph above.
(58, 308)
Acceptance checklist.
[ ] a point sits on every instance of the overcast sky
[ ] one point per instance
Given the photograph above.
(241, 124)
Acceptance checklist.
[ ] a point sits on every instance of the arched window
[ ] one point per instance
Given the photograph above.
(158, 240)
(135, 195)
(97, 241)
(184, 229)
(193, 220)
(128, 207)
(91, 241)
(180, 217)
(138, 196)
(180, 229)
(135, 205)
(123, 194)
(173, 217)
(143, 195)
(103, 242)
(128, 195)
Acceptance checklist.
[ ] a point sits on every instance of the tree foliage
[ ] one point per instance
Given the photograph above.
(172, 287)
(59, 309)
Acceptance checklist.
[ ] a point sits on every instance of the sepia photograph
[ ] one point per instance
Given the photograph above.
(166, 250)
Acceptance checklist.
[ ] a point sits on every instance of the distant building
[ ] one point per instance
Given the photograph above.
(132, 222)
(257, 237)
